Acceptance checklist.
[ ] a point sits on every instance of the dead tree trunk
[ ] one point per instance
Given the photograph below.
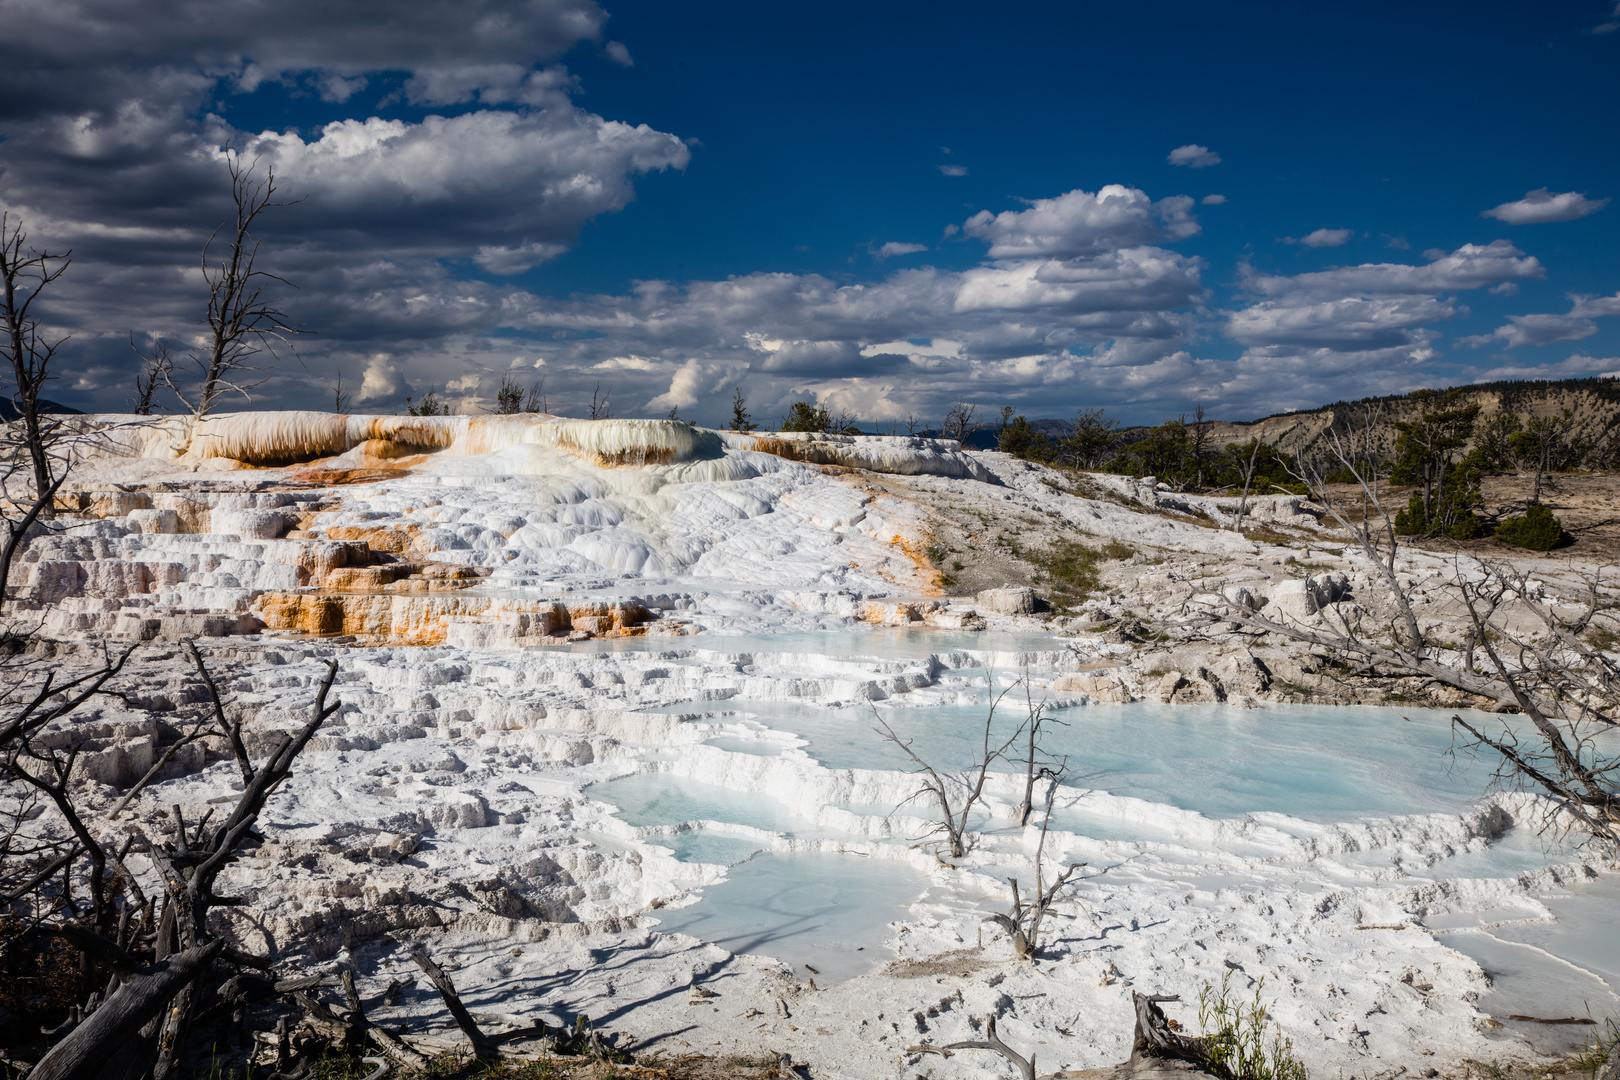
(483, 1048)
(17, 532)
(1159, 1050)
(23, 276)
(1023, 920)
(119, 1020)
(955, 794)
(242, 319)
(1248, 482)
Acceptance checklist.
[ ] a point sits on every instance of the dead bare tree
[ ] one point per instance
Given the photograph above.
(1567, 687)
(1569, 690)
(1036, 767)
(1200, 443)
(959, 421)
(535, 400)
(243, 319)
(955, 793)
(138, 976)
(156, 368)
(1023, 920)
(600, 403)
(341, 395)
(16, 534)
(25, 273)
(136, 960)
(1372, 529)
(1248, 482)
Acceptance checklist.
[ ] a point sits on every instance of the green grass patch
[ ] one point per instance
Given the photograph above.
(1240, 1039)
(1071, 569)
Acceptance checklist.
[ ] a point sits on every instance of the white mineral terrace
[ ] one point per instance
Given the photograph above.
(609, 696)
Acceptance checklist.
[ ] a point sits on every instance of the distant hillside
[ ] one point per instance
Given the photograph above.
(8, 410)
(1595, 403)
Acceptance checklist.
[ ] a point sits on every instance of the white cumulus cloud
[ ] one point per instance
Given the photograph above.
(1471, 266)
(519, 259)
(1352, 323)
(952, 170)
(1326, 238)
(1542, 205)
(1375, 315)
(381, 379)
(1193, 156)
(1082, 223)
(1529, 331)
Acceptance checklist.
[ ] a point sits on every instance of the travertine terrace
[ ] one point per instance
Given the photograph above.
(526, 606)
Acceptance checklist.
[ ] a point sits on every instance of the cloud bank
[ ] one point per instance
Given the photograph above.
(1529, 331)
(417, 224)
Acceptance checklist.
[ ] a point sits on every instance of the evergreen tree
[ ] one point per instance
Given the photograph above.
(804, 416)
(1426, 456)
(1094, 438)
(740, 419)
(1019, 438)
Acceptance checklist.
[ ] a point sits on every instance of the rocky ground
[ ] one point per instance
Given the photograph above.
(477, 605)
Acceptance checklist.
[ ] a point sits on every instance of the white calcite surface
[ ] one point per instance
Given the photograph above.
(603, 682)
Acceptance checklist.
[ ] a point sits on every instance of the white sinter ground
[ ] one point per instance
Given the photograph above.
(574, 825)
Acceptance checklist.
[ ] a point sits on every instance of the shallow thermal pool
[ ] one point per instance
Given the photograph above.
(827, 912)
(1206, 796)
(1316, 762)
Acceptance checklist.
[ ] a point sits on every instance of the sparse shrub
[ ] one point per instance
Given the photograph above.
(1603, 639)
(1451, 520)
(1536, 530)
(430, 405)
(804, 416)
(1235, 1037)
(1595, 1055)
(509, 398)
(1072, 568)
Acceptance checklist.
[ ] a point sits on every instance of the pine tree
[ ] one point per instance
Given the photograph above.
(740, 420)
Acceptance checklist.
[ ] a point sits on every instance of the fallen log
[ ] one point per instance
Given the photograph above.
(110, 1028)
(483, 1048)
(385, 1039)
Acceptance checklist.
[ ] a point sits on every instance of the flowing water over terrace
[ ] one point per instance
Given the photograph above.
(1206, 797)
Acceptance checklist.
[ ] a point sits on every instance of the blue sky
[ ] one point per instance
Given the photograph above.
(672, 200)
